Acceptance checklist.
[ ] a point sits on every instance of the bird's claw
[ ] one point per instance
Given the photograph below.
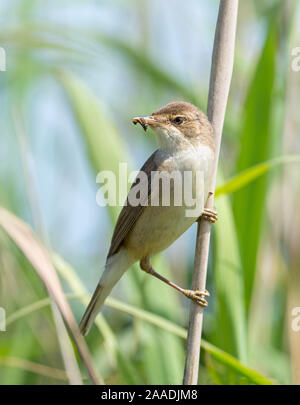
(210, 215)
(197, 296)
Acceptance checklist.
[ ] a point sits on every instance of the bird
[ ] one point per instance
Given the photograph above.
(186, 144)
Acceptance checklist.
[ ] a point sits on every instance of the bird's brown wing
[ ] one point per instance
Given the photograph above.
(129, 214)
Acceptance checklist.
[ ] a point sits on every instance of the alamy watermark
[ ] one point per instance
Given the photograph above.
(296, 319)
(2, 60)
(2, 320)
(296, 59)
(157, 188)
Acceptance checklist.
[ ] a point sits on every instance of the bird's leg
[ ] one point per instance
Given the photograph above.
(195, 295)
(210, 215)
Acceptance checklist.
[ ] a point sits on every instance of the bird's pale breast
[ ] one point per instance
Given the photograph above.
(159, 226)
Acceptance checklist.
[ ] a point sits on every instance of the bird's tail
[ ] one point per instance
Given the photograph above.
(115, 267)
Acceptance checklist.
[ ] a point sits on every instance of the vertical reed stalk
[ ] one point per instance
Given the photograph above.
(220, 78)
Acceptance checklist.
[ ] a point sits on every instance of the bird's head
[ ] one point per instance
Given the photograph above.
(178, 125)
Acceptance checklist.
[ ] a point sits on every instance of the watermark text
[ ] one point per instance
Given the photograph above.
(2, 60)
(296, 59)
(296, 319)
(156, 188)
(2, 320)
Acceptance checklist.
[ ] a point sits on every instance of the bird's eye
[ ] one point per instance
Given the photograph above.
(178, 120)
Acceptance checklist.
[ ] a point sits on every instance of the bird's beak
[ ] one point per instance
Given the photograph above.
(145, 121)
